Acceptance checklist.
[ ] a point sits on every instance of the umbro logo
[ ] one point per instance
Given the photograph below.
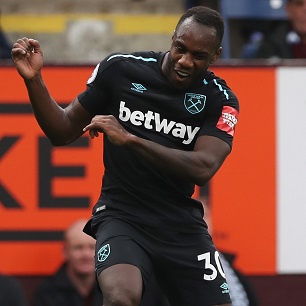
(224, 286)
(138, 87)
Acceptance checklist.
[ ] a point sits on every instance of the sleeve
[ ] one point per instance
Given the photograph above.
(221, 116)
(94, 98)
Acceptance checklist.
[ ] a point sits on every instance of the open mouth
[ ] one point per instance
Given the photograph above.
(182, 74)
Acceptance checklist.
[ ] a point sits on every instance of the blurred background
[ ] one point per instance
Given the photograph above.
(66, 28)
(257, 201)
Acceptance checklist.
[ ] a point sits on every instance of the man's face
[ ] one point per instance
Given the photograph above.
(194, 47)
(296, 10)
(79, 250)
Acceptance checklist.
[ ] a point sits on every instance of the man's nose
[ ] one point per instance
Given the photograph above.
(186, 60)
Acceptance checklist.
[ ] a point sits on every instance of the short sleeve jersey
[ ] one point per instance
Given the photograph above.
(133, 89)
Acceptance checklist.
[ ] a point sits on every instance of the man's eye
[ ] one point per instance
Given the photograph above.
(201, 57)
(179, 49)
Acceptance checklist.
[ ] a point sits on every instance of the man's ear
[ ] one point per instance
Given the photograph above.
(216, 55)
(173, 35)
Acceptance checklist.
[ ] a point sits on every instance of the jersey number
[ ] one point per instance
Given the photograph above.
(209, 266)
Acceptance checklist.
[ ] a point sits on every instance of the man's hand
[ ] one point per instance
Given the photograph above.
(109, 126)
(28, 57)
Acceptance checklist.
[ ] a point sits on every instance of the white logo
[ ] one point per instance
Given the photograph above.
(229, 119)
(151, 120)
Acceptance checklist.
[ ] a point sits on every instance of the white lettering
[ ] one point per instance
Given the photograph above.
(230, 119)
(148, 119)
(179, 131)
(191, 133)
(124, 112)
(149, 116)
(137, 117)
(163, 124)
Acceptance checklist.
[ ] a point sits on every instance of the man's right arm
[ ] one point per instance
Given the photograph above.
(61, 126)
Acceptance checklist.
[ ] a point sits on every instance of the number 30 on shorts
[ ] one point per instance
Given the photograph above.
(209, 266)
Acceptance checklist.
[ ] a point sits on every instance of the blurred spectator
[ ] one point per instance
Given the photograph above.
(11, 293)
(251, 47)
(191, 3)
(74, 284)
(209, 3)
(5, 47)
(241, 291)
(287, 40)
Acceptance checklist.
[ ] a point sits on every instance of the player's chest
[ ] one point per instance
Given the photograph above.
(152, 96)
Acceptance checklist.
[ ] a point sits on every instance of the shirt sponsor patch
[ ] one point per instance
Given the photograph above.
(228, 120)
(153, 121)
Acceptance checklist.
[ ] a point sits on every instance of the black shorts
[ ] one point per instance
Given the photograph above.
(187, 266)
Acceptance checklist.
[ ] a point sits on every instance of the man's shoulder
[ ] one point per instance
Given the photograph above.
(218, 84)
(121, 60)
(147, 56)
(141, 57)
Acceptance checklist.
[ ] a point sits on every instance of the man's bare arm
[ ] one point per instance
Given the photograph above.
(197, 166)
(61, 126)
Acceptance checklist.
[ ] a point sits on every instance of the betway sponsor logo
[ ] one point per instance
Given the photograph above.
(153, 121)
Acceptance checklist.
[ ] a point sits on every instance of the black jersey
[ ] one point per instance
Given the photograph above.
(133, 89)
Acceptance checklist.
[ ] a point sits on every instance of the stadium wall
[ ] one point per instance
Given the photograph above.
(258, 198)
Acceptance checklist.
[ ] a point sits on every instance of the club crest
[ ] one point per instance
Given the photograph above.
(194, 103)
(103, 253)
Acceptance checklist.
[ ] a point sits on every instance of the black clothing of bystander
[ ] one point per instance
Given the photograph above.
(11, 293)
(282, 42)
(58, 290)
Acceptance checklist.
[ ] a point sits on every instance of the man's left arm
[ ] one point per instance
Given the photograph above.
(197, 166)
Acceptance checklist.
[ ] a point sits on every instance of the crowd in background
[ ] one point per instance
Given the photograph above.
(266, 39)
(284, 39)
(5, 44)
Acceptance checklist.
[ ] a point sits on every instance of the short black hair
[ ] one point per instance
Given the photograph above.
(205, 16)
